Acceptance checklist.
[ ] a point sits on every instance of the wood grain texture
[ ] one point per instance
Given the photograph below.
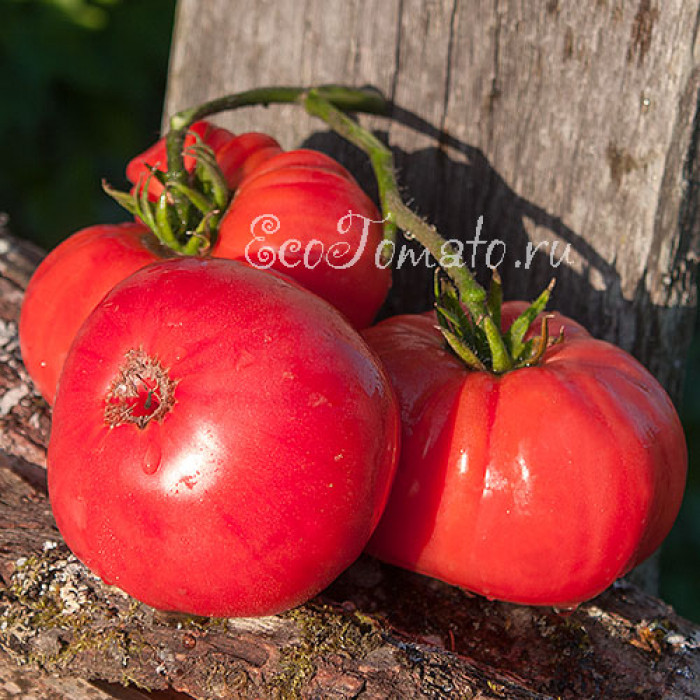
(375, 633)
(558, 121)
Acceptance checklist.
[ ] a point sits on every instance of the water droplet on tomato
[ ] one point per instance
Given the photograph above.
(151, 460)
(316, 400)
(107, 580)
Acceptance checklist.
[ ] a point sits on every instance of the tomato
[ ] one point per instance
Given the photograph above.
(68, 284)
(539, 486)
(303, 214)
(298, 212)
(223, 441)
(310, 194)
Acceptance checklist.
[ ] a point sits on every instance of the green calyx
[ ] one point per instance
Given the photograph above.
(468, 337)
(186, 214)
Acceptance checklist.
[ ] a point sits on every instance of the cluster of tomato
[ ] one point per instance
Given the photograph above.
(226, 442)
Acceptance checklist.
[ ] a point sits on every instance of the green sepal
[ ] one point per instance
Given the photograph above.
(501, 360)
(526, 353)
(540, 344)
(157, 174)
(200, 201)
(124, 199)
(200, 240)
(209, 175)
(164, 229)
(146, 211)
(518, 329)
(462, 350)
(452, 316)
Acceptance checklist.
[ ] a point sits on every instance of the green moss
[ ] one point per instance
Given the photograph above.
(324, 631)
(53, 592)
(192, 622)
(572, 634)
(224, 681)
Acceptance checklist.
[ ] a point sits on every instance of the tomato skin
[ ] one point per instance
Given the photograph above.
(541, 486)
(68, 284)
(310, 195)
(271, 469)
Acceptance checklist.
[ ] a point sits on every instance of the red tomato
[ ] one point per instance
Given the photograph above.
(300, 212)
(223, 441)
(309, 193)
(540, 486)
(68, 284)
(303, 214)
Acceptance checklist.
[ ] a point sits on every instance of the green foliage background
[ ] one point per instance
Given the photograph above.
(83, 83)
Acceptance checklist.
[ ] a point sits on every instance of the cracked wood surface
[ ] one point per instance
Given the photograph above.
(377, 632)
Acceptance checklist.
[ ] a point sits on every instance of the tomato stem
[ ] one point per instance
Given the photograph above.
(394, 210)
(366, 100)
(476, 338)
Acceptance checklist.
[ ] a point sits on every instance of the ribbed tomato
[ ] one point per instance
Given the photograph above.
(539, 486)
(299, 212)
